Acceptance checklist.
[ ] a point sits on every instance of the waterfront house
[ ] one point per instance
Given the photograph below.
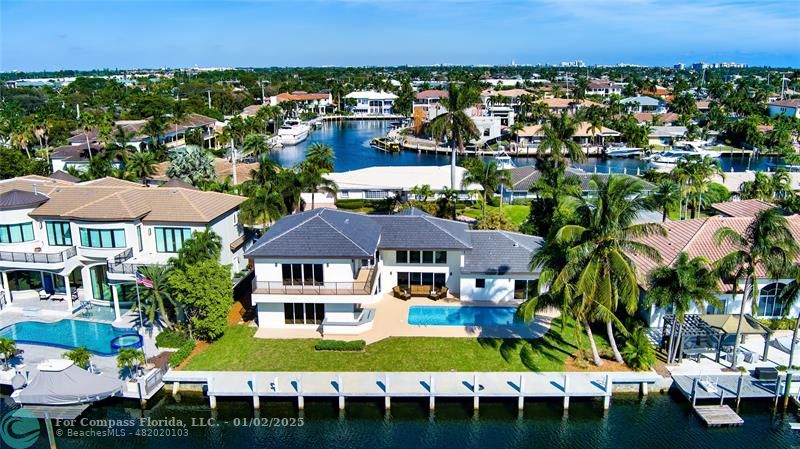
(370, 102)
(665, 119)
(83, 242)
(789, 108)
(304, 101)
(666, 135)
(429, 103)
(696, 237)
(326, 269)
(378, 183)
(604, 88)
(531, 135)
(741, 208)
(522, 178)
(568, 105)
(75, 154)
(645, 104)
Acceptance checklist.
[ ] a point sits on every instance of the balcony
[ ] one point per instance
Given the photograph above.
(38, 257)
(362, 285)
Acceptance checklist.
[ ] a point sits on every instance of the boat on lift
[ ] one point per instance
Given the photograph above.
(503, 160)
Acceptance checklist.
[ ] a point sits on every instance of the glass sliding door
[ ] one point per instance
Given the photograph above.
(101, 291)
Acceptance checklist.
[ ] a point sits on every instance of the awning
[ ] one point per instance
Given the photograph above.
(729, 323)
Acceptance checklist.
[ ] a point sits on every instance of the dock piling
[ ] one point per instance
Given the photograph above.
(301, 403)
(212, 400)
(50, 434)
(566, 394)
(341, 392)
(521, 398)
(256, 399)
(432, 398)
(694, 392)
(739, 390)
(175, 387)
(475, 398)
(607, 397)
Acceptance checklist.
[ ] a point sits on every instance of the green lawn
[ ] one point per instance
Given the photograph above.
(517, 214)
(237, 350)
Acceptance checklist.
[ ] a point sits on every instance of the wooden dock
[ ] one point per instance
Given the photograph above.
(718, 415)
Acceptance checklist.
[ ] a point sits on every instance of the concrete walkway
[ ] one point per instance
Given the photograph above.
(391, 320)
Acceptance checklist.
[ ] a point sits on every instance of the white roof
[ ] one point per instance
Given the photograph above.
(667, 131)
(643, 100)
(372, 95)
(398, 178)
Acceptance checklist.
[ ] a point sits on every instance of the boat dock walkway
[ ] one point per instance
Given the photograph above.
(727, 386)
(408, 385)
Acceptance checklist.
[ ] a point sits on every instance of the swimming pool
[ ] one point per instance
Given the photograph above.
(461, 316)
(67, 334)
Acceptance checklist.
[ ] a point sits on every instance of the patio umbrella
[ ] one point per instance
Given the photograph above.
(60, 382)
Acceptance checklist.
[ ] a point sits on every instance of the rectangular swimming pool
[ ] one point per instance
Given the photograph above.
(67, 334)
(461, 316)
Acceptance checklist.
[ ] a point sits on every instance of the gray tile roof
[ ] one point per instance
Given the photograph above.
(523, 177)
(21, 198)
(325, 233)
(500, 252)
(421, 232)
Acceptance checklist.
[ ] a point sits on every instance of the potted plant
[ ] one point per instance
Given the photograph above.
(130, 359)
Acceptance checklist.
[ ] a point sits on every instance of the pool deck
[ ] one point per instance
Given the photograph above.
(391, 320)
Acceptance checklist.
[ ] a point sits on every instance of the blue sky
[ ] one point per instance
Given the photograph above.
(37, 35)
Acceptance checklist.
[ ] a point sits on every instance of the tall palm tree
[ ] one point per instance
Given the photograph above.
(204, 245)
(156, 298)
(455, 124)
(322, 155)
(699, 172)
(558, 133)
(682, 285)
(664, 197)
(761, 187)
(263, 206)
(88, 122)
(487, 175)
(255, 145)
(142, 165)
(767, 244)
(601, 244)
(788, 297)
(314, 182)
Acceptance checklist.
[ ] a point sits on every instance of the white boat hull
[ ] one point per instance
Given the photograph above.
(293, 138)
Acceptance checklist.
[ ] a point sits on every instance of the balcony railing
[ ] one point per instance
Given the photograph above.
(62, 256)
(117, 264)
(328, 288)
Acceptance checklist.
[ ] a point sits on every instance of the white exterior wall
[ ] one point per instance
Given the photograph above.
(498, 289)
(452, 270)
(487, 124)
(783, 110)
(333, 270)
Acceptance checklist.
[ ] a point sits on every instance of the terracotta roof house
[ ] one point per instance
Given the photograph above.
(742, 208)
(531, 135)
(569, 105)
(85, 241)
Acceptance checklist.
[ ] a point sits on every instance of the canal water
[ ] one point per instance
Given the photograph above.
(658, 421)
(350, 141)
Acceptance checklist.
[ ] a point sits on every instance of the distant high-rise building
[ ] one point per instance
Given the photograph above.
(679, 66)
(699, 66)
(575, 63)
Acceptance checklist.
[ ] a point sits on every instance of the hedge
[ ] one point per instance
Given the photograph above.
(336, 345)
(170, 338)
(778, 324)
(181, 354)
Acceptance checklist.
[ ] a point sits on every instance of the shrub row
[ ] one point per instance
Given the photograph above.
(779, 324)
(181, 354)
(336, 345)
(171, 338)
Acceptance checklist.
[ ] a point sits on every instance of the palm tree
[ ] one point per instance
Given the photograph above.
(447, 202)
(8, 348)
(262, 206)
(314, 182)
(130, 359)
(455, 124)
(685, 283)
(761, 187)
(698, 172)
(322, 155)
(789, 297)
(154, 128)
(87, 123)
(80, 356)
(664, 197)
(487, 175)
(421, 192)
(558, 133)
(142, 165)
(154, 300)
(255, 145)
(205, 245)
(766, 244)
(600, 248)
(552, 186)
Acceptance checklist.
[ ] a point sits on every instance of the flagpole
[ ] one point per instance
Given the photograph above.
(141, 323)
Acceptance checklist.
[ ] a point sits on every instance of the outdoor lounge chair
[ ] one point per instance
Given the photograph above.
(400, 293)
(439, 294)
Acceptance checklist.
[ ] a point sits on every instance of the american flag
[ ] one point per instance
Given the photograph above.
(141, 280)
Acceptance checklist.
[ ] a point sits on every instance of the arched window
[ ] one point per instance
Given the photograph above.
(768, 303)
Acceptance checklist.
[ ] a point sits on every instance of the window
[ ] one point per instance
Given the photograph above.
(58, 233)
(711, 309)
(480, 283)
(302, 274)
(402, 256)
(768, 303)
(521, 289)
(414, 257)
(102, 238)
(170, 240)
(406, 279)
(441, 257)
(309, 313)
(139, 236)
(16, 233)
(375, 194)
(427, 257)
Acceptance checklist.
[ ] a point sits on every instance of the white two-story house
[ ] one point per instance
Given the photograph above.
(81, 243)
(370, 102)
(326, 269)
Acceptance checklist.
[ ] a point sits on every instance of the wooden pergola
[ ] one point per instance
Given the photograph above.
(711, 329)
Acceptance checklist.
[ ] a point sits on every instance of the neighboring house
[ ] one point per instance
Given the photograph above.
(696, 237)
(312, 102)
(741, 208)
(325, 269)
(523, 178)
(666, 135)
(377, 183)
(85, 241)
(76, 156)
(604, 88)
(665, 119)
(568, 105)
(429, 104)
(371, 102)
(789, 108)
(531, 135)
(645, 104)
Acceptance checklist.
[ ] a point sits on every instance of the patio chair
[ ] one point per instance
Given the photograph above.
(440, 294)
(400, 294)
(43, 295)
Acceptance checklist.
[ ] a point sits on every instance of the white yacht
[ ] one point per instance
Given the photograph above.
(695, 148)
(293, 132)
(624, 151)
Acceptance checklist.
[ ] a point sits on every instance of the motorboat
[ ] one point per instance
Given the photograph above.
(385, 144)
(624, 151)
(503, 160)
(667, 159)
(293, 132)
(696, 148)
